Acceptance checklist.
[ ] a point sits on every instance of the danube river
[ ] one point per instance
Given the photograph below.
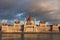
(36, 36)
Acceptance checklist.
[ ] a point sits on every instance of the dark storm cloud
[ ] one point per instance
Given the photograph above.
(7, 14)
(8, 9)
(42, 9)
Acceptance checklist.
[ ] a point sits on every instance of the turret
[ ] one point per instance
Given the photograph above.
(30, 25)
(17, 24)
(42, 23)
(24, 22)
(35, 21)
(55, 27)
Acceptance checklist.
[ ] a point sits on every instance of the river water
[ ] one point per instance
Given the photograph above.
(29, 36)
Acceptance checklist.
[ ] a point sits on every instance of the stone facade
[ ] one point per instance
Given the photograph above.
(11, 28)
(29, 26)
(55, 28)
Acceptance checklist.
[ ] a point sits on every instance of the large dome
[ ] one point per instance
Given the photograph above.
(30, 19)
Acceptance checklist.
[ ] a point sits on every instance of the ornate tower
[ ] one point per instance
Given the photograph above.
(44, 27)
(17, 26)
(55, 28)
(29, 25)
(4, 27)
(24, 22)
(43, 24)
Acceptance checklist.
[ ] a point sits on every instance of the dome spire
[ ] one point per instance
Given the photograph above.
(29, 18)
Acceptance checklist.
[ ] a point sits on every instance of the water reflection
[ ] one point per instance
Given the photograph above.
(37, 37)
(30, 37)
(11, 36)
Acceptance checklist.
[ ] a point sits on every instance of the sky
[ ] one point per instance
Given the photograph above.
(11, 10)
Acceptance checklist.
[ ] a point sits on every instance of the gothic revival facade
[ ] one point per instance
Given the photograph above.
(29, 26)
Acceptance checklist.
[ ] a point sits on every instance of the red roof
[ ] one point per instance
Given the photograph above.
(55, 24)
(30, 19)
(43, 22)
(9, 25)
(4, 24)
(17, 22)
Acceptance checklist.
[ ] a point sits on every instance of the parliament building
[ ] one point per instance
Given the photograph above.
(29, 26)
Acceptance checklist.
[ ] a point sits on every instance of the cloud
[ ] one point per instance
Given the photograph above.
(41, 9)
(19, 15)
(4, 4)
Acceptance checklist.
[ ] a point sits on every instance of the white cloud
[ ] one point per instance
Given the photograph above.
(4, 21)
(19, 14)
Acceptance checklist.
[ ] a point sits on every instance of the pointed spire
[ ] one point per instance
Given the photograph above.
(24, 21)
(34, 21)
